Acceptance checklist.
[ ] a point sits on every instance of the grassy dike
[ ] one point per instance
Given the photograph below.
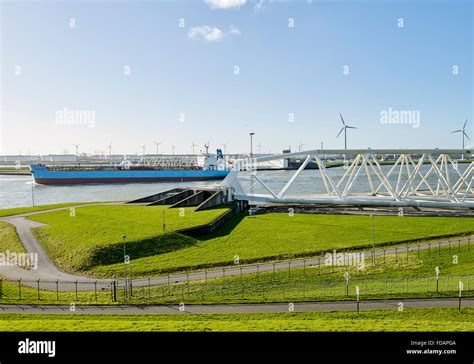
(91, 241)
(9, 239)
(24, 210)
(442, 319)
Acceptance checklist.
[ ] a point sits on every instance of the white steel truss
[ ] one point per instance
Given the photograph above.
(414, 178)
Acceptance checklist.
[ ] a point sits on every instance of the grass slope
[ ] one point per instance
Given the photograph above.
(93, 236)
(23, 210)
(278, 236)
(9, 239)
(431, 320)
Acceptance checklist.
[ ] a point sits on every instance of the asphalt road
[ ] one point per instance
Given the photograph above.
(238, 308)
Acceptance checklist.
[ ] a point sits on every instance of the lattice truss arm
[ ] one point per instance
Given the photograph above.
(427, 179)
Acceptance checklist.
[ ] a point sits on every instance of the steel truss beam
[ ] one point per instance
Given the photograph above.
(417, 178)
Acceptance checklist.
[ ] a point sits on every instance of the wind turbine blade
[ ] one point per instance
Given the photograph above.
(456, 131)
(341, 131)
(342, 119)
(351, 127)
(464, 126)
(467, 136)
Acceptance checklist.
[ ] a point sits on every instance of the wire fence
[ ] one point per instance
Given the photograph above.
(298, 280)
(233, 290)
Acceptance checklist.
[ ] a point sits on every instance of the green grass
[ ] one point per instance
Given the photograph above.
(278, 236)
(390, 277)
(93, 236)
(23, 210)
(9, 239)
(430, 320)
(13, 169)
(15, 293)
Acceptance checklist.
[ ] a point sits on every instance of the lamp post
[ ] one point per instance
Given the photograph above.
(373, 239)
(251, 144)
(164, 222)
(33, 193)
(124, 238)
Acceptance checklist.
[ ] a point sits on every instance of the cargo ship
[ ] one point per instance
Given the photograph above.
(212, 168)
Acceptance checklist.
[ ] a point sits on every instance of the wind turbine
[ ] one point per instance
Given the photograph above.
(157, 144)
(463, 132)
(77, 148)
(344, 129)
(192, 146)
(300, 145)
(206, 145)
(259, 147)
(109, 147)
(143, 149)
(173, 147)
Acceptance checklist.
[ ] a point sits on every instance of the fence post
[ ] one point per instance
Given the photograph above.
(114, 286)
(396, 254)
(386, 286)
(19, 288)
(418, 246)
(1, 289)
(57, 289)
(459, 245)
(289, 269)
(439, 248)
(426, 284)
(38, 288)
(406, 285)
(76, 289)
(429, 249)
(223, 274)
(449, 244)
(95, 290)
(383, 255)
(407, 253)
(469, 244)
(149, 288)
(304, 268)
(447, 283)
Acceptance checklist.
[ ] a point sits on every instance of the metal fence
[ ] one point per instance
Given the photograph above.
(232, 290)
(304, 279)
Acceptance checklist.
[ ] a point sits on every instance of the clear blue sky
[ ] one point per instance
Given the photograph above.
(283, 70)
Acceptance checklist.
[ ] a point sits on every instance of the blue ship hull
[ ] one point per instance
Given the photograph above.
(43, 175)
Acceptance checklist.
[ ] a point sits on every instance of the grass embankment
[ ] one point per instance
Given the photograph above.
(277, 237)
(24, 210)
(92, 239)
(431, 320)
(93, 236)
(13, 169)
(390, 277)
(9, 239)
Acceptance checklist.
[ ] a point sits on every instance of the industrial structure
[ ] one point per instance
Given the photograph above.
(412, 178)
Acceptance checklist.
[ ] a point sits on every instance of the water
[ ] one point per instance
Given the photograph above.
(19, 191)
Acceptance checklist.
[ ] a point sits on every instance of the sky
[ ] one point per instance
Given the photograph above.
(129, 73)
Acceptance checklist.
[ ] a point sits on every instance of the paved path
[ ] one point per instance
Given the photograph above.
(239, 308)
(48, 273)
